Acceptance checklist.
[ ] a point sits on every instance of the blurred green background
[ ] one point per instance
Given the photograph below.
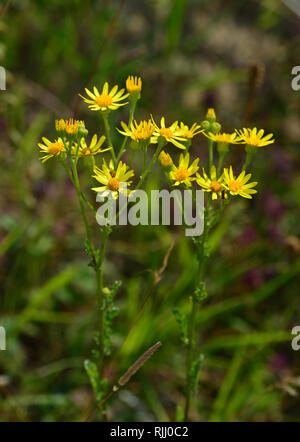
(234, 55)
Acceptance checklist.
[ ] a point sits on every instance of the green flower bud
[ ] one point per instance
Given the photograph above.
(215, 128)
(205, 125)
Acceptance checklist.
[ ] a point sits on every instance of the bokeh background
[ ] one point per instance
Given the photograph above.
(234, 55)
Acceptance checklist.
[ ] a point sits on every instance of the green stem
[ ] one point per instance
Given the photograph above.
(101, 300)
(82, 194)
(247, 160)
(211, 154)
(108, 136)
(220, 163)
(153, 160)
(131, 115)
(192, 323)
(131, 158)
(144, 158)
(81, 200)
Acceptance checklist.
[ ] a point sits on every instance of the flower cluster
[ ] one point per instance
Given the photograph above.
(220, 182)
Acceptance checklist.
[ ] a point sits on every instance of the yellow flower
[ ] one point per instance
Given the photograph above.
(223, 137)
(211, 114)
(138, 131)
(106, 100)
(133, 84)
(213, 184)
(238, 186)
(189, 133)
(50, 148)
(252, 137)
(113, 180)
(70, 127)
(92, 149)
(171, 134)
(165, 159)
(183, 173)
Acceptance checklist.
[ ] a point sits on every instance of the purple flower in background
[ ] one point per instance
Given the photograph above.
(248, 236)
(272, 206)
(281, 164)
(253, 278)
(278, 363)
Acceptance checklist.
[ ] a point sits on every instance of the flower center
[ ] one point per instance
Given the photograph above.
(113, 184)
(166, 132)
(104, 100)
(56, 147)
(234, 186)
(215, 186)
(181, 174)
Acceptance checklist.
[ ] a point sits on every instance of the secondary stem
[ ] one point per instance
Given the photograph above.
(131, 115)
(101, 300)
(211, 154)
(108, 136)
(81, 202)
(192, 323)
(153, 160)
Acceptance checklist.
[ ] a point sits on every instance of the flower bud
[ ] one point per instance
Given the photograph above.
(134, 87)
(215, 128)
(165, 159)
(211, 115)
(205, 125)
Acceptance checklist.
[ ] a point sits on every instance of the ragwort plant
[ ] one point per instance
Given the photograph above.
(220, 184)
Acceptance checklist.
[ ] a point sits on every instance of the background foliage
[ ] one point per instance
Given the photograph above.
(191, 54)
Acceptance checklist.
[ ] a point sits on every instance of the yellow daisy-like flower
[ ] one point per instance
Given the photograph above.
(252, 137)
(223, 137)
(113, 180)
(70, 127)
(171, 134)
(189, 132)
(107, 100)
(141, 131)
(165, 159)
(183, 173)
(50, 148)
(133, 84)
(239, 186)
(92, 149)
(213, 184)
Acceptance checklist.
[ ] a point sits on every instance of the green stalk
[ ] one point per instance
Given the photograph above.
(108, 136)
(131, 158)
(192, 323)
(131, 115)
(144, 158)
(220, 163)
(247, 160)
(81, 202)
(101, 300)
(72, 181)
(211, 154)
(160, 145)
